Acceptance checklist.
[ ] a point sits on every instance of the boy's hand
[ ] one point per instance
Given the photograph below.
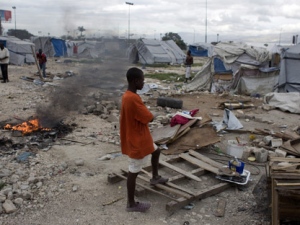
(155, 114)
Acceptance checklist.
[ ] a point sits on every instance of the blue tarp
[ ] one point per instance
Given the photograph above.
(219, 66)
(59, 46)
(196, 52)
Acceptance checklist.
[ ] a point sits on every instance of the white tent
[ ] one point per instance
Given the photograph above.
(45, 44)
(148, 51)
(289, 78)
(236, 66)
(20, 51)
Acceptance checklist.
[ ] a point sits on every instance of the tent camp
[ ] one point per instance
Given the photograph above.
(52, 47)
(45, 44)
(237, 66)
(148, 51)
(20, 51)
(289, 78)
(201, 49)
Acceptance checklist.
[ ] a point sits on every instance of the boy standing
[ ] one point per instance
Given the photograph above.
(188, 63)
(136, 140)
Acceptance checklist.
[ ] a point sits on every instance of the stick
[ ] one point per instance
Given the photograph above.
(36, 62)
(74, 141)
(111, 202)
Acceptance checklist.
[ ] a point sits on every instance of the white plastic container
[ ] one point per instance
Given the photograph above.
(235, 149)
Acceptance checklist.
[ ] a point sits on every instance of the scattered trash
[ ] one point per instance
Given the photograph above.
(110, 156)
(24, 156)
(38, 82)
(189, 206)
(229, 122)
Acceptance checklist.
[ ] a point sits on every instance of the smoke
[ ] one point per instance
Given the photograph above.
(77, 92)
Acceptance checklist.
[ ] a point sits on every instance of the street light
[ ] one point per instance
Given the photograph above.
(14, 8)
(129, 4)
(206, 24)
(217, 38)
(194, 36)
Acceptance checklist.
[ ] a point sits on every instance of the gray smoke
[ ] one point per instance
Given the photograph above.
(74, 94)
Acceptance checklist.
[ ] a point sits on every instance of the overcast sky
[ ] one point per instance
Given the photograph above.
(266, 20)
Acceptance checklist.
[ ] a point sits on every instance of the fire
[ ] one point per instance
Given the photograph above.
(26, 127)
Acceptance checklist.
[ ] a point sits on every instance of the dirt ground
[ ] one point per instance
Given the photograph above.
(20, 99)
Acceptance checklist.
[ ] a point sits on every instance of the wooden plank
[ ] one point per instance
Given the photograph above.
(199, 163)
(220, 210)
(168, 189)
(275, 210)
(164, 187)
(147, 188)
(181, 171)
(283, 159)
(205, 159)
(196, 172)
(113, 178)
(173, 185)
(213, 190)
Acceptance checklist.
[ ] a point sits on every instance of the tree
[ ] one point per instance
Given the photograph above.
(81, 29)
(21, 34)
(176, 38)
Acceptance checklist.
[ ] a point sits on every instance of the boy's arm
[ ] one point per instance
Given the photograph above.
(142, 113)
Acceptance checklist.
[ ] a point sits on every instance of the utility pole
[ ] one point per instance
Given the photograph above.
(206, 23)
(129, 4)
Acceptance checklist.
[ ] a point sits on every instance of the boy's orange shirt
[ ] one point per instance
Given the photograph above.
(136, 140)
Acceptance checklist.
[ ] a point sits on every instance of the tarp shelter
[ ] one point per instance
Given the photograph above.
(251, 80)
(236, 66)
(289, 78)
(148, 51)
(87, 49)
(19, 51)
(59, 46)
(201, 49)
(45, 44)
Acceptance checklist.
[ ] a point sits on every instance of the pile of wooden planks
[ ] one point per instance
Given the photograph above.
(168, 134)
(285, 179)
(179, 196)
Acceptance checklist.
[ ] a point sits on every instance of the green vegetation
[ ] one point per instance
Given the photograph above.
(172, 77)
(91, 61)
(2, 184)
(166, 76)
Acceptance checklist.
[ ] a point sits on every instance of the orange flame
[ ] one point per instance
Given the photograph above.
(26, 127)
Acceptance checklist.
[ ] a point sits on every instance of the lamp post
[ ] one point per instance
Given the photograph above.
(129, 4)
(217, 38)
(206, 22)
(14, 8)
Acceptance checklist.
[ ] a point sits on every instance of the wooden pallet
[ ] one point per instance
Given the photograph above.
(285, 189)
(179, 196)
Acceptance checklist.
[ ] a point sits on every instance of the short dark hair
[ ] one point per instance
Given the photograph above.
(134, 73)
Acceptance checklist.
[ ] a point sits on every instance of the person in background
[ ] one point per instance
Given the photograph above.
(4, 60)
(188, 63)
(42, 58)
(75, 50)
(136, 140)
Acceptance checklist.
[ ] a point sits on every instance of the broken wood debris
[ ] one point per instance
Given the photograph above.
(183, 195)
(284, 175)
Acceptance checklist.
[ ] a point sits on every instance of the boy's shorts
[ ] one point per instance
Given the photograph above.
(136, 165)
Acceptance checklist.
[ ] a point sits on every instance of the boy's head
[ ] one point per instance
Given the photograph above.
(135, 78)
